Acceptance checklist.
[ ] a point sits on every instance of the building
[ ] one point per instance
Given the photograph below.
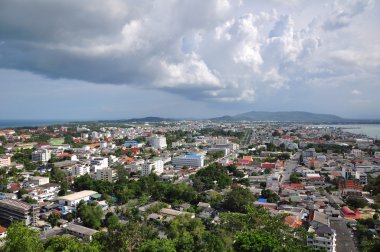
(104, 174)
(155, 166)
(174, 213)
(356, 152)
(80, 231)
(318, 219)
(79, 170)
(324, 239)
(157, 142)
(309, 153)
(221, 141)
(42, 155)
(5, 161)
(98, 163)
(38, 180)
(75, 198)
(350, 187)
(347, 213)
(132, 144)
(189, 160)
(12, 210)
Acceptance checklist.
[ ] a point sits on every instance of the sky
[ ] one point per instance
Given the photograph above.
(120, 59)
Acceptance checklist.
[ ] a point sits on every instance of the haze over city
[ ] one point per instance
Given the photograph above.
(194, 59)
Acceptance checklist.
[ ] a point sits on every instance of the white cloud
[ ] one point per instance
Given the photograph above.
(356, 92)
(344, 11)
(192, 71)
(217, 50)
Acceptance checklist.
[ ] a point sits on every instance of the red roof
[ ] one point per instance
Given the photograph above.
(243, 162)
(347, 211)
(268, 165)
(293, 185)
(293, 221)
(65, 155)
(14, 187)
(349, 214)
(2, 230)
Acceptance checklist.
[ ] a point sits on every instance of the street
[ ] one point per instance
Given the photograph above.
(290, 166)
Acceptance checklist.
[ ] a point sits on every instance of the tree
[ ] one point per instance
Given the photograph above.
(22, 238)
(21, 192)
(187, 233)
(356, 202)
(90, 215)
(30, 200)
(213, 176)
(3, 184)
(68, 244)
(157, 245)
(252, 241)
(259, 230)
(53, 219)
(295, 178)
(123, 238)
(271, 196)
(111, 219)
(238, 199)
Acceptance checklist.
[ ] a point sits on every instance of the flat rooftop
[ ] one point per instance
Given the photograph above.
(190, 156)
(78, 195)
(80, 229)
(16, 204)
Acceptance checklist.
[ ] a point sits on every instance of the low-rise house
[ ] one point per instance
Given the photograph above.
(174, 213)
(317, 219)
(347, 213)
(80, 231)
(75, 198)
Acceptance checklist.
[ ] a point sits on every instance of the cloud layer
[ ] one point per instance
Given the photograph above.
(213, 51)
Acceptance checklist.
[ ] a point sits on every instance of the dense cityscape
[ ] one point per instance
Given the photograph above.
(189, 185)
(189, 126)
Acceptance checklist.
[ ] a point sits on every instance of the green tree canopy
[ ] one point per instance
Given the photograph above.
(22, 238)
(237, 200)
(90, 215)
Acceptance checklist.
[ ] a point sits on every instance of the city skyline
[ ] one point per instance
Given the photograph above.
(188, 59)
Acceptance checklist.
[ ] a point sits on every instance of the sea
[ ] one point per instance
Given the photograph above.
(28, 123)
(371, 130)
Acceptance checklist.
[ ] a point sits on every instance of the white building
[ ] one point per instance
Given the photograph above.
(37, 180)
(189, 160)
(42, 155)
(79, 170)
(155, 166)
(104, 174)
(356, 152)
(5, 161)
(98, 163)
(95, 134)
(157, 142)
(324, 239)
(75, 198)
(221, 141)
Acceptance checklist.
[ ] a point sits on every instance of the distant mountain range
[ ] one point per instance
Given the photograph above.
(151, 119)
(281, 116)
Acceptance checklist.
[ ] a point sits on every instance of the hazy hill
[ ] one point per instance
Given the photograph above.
(282, 116)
